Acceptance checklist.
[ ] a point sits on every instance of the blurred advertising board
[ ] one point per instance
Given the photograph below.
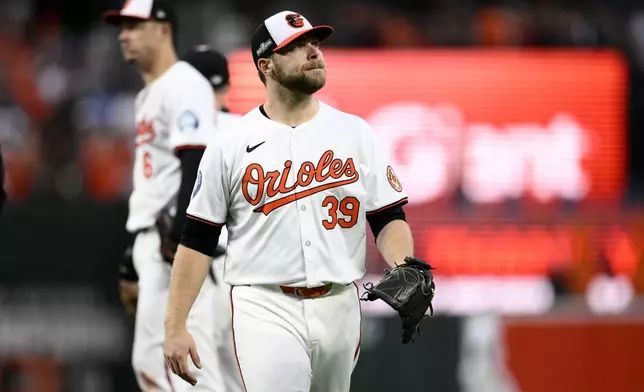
(543, 127)
(498, 125)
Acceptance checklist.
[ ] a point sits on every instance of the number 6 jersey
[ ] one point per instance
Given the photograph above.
(175, 111)
(294, 199)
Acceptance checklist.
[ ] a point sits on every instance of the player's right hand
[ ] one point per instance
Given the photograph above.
(177, 346)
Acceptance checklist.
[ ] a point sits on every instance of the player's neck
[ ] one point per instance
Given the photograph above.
(288, 107)
(164, 60)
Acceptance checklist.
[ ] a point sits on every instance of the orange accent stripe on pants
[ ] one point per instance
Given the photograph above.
(355, 355)
(167, 375)
(232, 325)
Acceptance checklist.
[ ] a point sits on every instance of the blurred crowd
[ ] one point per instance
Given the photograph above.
(66, 98)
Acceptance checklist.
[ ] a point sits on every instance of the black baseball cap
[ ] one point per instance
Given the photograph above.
(159, 10)
(281, 29)
(210, 63)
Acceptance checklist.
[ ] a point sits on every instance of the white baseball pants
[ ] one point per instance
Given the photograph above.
(289, 344)
(223, 332)
(148, 360)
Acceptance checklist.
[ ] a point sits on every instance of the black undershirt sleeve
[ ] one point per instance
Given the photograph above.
(379, 219)
(190, 159)
(201, 236)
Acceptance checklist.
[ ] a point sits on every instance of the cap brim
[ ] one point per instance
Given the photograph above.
(320, 32)
(116, 18)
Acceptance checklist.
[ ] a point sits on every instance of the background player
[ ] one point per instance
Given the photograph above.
(295, 184)
(175, 117)
(214, 67)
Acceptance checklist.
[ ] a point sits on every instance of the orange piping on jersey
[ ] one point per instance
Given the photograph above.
(401, 201)
(274, 182)
(204, 221)
(190, 147)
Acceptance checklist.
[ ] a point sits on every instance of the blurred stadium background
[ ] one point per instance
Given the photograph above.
(516, 128)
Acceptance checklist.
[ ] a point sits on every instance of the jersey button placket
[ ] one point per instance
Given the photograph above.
(300, 204)
(307, 218)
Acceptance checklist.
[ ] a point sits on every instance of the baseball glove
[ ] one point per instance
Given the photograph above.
(169, 241)
(409, 289)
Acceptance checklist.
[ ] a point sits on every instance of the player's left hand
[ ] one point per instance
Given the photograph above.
(177, 346)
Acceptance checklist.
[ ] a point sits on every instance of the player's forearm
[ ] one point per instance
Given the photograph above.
(188, 274)
(395, 242)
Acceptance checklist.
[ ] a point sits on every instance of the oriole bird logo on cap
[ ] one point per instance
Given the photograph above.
(295, 20)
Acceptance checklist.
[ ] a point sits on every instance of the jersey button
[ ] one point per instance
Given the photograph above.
(303, 208)
(307, 243)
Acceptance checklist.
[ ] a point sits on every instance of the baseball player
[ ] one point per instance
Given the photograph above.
(175, 117)
(214, 67)
(296, 184)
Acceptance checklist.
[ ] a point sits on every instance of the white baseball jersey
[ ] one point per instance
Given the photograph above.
(226, 122)
(173, 112)
(294, 199)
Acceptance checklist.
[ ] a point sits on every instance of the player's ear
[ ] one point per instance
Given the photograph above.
(166, 30)
(265, 66)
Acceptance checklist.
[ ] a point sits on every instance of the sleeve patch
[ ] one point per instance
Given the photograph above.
(197, 184)
(188, 121)
(393, 179)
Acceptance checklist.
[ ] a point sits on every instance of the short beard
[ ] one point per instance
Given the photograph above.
(300, 83)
